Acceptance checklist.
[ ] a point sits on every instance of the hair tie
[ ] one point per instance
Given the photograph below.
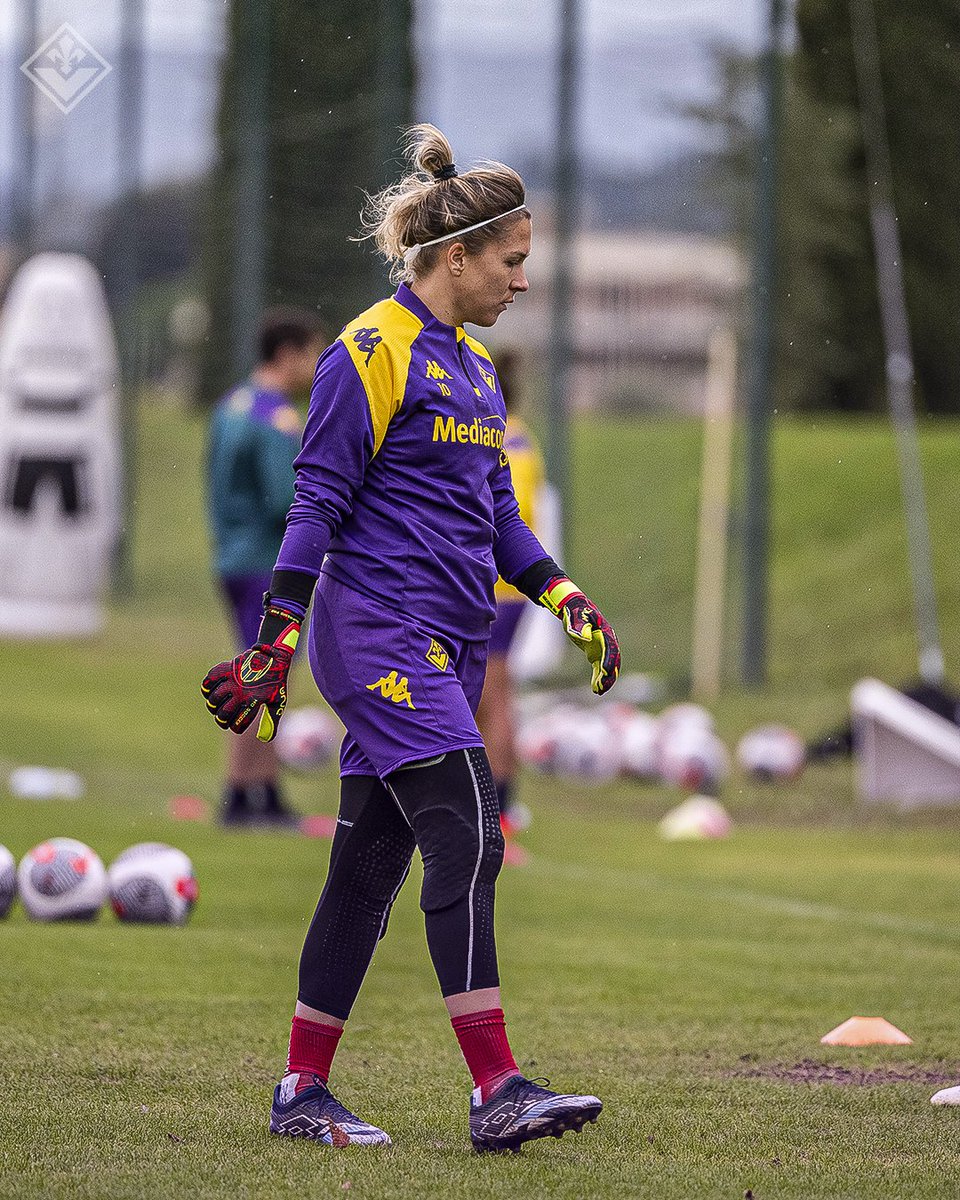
(447, 172)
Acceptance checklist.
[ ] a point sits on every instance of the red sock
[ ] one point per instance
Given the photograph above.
(483, 1040)
(312, 1047)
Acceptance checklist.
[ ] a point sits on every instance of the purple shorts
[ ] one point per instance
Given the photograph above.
(244, 596)
(402, 692)
(504, 627)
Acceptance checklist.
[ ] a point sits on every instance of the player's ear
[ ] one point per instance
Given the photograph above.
(456, 258)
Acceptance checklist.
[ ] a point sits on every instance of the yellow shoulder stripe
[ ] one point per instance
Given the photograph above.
(379, 343)
(477, 347)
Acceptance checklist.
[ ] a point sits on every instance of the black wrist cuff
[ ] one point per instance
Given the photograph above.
(535, 578)
(292, 585)
(274, 624)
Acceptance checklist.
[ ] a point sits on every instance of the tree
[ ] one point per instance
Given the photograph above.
(829, 345)
(340, 83)
(919, 48)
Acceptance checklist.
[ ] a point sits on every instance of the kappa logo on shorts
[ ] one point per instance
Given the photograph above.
(393, 688)
(437, 655)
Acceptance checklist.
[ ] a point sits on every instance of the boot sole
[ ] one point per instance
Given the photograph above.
(557, 1126)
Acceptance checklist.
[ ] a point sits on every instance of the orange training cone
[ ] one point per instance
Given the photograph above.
(866, 1031)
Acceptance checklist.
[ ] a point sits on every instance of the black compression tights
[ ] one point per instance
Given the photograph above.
(449, 810)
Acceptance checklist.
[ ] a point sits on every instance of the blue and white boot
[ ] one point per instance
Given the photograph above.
(521, 1110)
(317, 1114)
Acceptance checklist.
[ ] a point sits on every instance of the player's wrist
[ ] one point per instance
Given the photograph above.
(280, 626)
(557, 593)
(284, 607)
(291, 590)
(534, 579)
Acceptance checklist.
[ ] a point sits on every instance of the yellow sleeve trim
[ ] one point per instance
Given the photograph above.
(380, 342)
(477, 347)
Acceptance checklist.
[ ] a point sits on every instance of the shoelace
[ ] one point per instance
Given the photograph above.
(520, 1083)
(541, 1084)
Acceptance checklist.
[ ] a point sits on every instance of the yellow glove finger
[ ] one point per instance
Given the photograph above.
(270, 718)
(267, 729)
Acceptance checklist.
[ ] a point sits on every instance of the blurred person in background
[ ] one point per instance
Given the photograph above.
(496, 717)
(254, 438)
(404, 516)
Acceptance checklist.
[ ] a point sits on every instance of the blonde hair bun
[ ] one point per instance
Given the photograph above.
(432, 200)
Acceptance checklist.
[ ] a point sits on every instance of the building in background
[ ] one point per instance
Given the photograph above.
(645, 305)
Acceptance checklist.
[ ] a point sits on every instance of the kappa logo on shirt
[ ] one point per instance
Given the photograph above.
(367, 341)
(437, 655)
(435, 371)
(393, 688)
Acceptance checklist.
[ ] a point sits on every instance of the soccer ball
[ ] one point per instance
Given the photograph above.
(685, 715)
(8, 880)
(772, 752)
(536, 740)
(62, 880)
(585, 748)
(153, 884)
(307, 738)
(696, 819)
(691, 756)
(638, 734)
(569, 740)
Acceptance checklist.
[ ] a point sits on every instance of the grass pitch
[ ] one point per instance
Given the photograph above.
(687, 985)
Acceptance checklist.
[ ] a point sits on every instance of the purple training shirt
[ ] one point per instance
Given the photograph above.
(403, 489)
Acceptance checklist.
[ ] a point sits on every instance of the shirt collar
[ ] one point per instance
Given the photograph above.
(412, 302)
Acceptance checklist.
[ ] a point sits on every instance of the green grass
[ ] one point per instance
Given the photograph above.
(674, 980)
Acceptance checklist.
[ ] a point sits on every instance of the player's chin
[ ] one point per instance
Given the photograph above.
(491, 316)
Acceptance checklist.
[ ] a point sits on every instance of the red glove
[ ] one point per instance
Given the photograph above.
(585, 625)
(234, 691)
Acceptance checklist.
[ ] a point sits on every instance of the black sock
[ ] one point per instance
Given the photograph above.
(235, 799)
(273, 799)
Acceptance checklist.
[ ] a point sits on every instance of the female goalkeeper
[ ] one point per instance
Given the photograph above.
(404, 516)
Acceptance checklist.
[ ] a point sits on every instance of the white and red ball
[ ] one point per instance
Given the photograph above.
(691, 756)
(8, 880)
(540, 733)
(586, 749)
(772, 752)
(685, 714)
(153, 884)
(697, 819)
(307, 738)
(638, 735)
(62, 880)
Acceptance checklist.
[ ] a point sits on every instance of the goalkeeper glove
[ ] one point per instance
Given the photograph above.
(585, 625)
(234, 691)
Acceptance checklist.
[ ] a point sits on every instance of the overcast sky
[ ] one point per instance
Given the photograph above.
(485, 75)
(517, 23)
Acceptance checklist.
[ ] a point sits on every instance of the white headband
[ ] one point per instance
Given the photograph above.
(411, 254)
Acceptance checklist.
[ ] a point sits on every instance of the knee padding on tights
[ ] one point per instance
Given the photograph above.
(371, 855)
(452, 807)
